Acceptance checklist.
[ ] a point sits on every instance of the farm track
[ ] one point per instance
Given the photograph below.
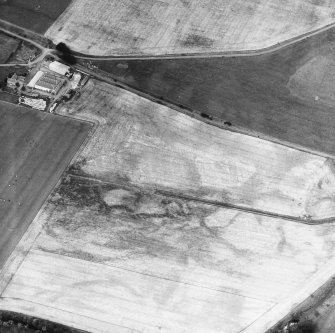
(44, 51)
(204, 201)
(108, 78)
(229, 54)
(215, 203)
(111, 80)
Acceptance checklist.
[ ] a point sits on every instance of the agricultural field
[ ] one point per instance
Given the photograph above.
(35, 149)
(144, 144)
(142, 27)
(35, 15)
(286, 96)
(109, 252)
(316, 311)
(10, 98)
(8, 46)
(161, 265)
(24, 53)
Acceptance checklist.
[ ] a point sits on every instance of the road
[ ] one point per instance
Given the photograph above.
(232, 54)
(215, 122)
(227, 54)
(46, 51)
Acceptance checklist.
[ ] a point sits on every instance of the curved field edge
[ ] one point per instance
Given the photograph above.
(284, 96)
(146, 27)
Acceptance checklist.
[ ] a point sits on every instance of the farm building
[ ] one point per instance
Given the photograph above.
(46, 81)
(59, 68)
(36, 103)
(75, 80)
(14, 79)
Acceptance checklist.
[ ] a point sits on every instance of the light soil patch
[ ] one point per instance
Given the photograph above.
(161, 265)
(315, 80)
(148, 145)
(120, 258)
(122, 27)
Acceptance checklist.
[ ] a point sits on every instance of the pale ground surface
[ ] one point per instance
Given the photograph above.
(165, 266)
(315, 79)
(152, 146)
(121, 27)
(120, 259)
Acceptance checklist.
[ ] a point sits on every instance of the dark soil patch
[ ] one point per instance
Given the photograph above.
(196, 41)
(8, 47)
(12, 322)
(248, 92)
(10, 98)
(35, 15)
(35, 148)
(136, 221)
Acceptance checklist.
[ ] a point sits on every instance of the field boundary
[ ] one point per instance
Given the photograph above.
(223, 54)
(22, 248)
(284, 308)
(68, 318)
(222, 124)
(171, 194)
(43, 39)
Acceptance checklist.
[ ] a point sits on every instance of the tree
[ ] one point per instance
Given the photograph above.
(65, 53)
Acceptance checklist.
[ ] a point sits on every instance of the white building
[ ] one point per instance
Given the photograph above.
(75, 80)
(35, 103)
(47, 82)
(34, 80)
(59, 68)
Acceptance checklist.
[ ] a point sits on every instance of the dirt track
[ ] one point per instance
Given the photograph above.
(275, 95)
(35, 148)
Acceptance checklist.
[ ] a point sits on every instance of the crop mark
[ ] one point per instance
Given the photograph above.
(194, 40)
